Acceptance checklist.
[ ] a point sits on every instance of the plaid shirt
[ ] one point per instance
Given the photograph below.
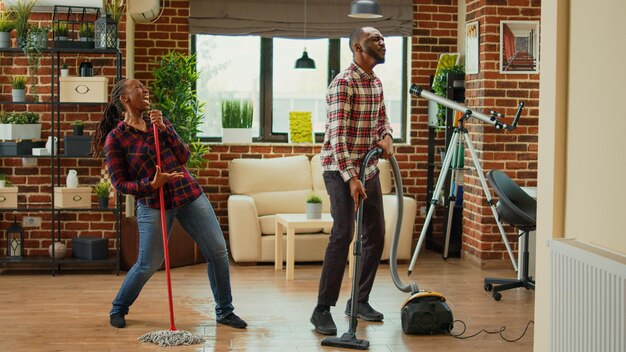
(355, 121)
(131, 159)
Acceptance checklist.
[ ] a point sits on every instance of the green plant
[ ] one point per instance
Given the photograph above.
(60, 29)
(22, 10)
(439, 88)
(5, 178)
(102, 189)
(86, 30)
(77, 123)
(64, 66)
(237, 114)
(313, 198)
(36, 41)
(5, 117)
(25, 118)
(18, 82)
(7, 22)
(115, 9)
(174, 94)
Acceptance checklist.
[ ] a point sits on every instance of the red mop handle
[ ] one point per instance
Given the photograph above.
(166, 253)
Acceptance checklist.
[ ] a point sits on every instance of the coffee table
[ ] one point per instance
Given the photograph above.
(289, 223)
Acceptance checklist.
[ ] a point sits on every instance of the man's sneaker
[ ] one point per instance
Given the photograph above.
(324, 323)
(234, 321)
(117, 320)
(365, 312)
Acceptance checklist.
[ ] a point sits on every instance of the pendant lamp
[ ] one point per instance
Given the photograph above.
(305, 61)
(365, 9)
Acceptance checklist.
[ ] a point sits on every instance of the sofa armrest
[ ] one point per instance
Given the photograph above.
(244, 230)
(406, 230)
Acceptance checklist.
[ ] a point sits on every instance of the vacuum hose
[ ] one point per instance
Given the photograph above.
(393, 256)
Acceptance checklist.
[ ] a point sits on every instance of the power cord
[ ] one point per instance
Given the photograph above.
(499, 331)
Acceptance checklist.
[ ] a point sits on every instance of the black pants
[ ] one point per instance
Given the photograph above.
(342, 211)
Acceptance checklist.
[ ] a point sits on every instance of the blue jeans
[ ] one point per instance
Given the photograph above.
(200, 222)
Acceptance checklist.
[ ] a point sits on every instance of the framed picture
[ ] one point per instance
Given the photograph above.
(519, 46)
(472, 46)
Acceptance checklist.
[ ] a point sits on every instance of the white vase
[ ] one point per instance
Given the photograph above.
(72, 179)
(5, 40)
(65, 72)
(51, 145)
(3, 183)
(18, 95)
(236, 135)
(313, 210)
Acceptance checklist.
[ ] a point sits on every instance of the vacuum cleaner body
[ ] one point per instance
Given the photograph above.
(426, 312)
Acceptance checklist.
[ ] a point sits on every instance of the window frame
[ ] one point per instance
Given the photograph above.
(266, 92)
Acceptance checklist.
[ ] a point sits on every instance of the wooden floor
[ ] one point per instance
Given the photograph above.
(69, 312)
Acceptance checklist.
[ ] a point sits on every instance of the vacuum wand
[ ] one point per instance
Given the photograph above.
(417, 91)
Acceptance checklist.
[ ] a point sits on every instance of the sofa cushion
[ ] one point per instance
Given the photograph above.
(249, 176)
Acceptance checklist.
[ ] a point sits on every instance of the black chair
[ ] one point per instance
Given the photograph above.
(517, 208)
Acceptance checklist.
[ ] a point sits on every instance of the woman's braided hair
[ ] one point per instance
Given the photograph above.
(110, 118)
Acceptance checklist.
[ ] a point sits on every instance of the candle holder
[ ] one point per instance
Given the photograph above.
(15, 240)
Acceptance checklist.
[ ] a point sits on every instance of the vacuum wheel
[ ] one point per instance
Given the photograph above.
(488, 287)
(497, 296)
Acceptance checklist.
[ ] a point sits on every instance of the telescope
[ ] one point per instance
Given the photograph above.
(417, 91)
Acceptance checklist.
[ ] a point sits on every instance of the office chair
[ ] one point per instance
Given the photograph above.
(517, 208)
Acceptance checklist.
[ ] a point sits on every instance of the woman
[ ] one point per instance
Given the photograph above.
(126, 135)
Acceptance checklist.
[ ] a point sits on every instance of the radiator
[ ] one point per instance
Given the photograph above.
(588, 298)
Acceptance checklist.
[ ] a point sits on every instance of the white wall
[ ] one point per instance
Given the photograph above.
(581, 122)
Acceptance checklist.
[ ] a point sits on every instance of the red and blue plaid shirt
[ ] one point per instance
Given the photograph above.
(356, 120)
(131, 159)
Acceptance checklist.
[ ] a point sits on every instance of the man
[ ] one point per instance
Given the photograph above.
(356, 122)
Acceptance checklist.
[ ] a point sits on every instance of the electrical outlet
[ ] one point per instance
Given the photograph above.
(423, 210)
(31, 221)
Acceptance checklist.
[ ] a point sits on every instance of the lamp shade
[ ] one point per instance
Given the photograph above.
(365, 9)
(305, 61)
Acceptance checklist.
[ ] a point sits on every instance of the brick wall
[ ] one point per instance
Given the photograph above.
(435, 32)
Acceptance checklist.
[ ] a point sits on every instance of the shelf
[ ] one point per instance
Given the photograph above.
(65, 50)
(26, 210)
(111, 261)
(50, 103)
(25, 103)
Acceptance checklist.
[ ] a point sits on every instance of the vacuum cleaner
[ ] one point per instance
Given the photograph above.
(424, 312)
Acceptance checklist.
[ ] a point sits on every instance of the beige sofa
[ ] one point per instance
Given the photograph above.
(261, 188)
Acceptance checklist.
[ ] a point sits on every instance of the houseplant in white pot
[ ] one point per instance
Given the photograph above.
(19, 125)
(237, 121)
(65, 71)
(18, 91)
(6, 26)
(313, 207)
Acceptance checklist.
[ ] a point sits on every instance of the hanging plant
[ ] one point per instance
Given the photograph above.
(440, 87)
(36, 41)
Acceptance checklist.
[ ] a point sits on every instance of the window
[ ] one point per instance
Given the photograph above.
(262, 69)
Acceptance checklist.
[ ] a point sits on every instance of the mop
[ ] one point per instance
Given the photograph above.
(171, 337)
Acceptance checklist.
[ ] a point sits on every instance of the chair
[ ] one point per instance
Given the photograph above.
(517, 208)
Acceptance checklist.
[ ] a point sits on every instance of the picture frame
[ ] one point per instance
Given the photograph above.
(519, 47)
(472, 47)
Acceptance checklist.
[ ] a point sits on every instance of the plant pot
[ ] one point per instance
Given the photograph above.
(19, 95)
(78, 130)
(65, 72)
(5, 39)
(236, 135)
(313, 210)
(103, 202)
(60, 250)
(3, 183)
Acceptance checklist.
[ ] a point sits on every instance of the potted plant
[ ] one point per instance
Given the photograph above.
(237, 121)
(22, 10)
(174, 94)
(60, 30)
(103, 190)
(86, 32)
(440, 83)
(65, 71)
(33, 46)
(6, 26)
(18, 92)
(313, 207)
(78, 126)
(20, 125)
(4, 181)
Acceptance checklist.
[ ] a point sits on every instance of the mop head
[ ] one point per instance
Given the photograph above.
(165, 338)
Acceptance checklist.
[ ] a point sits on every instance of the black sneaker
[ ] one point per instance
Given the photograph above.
(233, 321)
(324, 323)
(365, 312)
(117, 320)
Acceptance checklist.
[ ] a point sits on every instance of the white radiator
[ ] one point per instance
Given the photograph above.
(588, 298)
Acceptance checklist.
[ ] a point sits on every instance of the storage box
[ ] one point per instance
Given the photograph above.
(21, 148)
(77, 145)
(79, 197)
(92, 248)
(8, 197)
(83, 89)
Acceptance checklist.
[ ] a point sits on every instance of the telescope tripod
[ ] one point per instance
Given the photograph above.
(459, 137)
